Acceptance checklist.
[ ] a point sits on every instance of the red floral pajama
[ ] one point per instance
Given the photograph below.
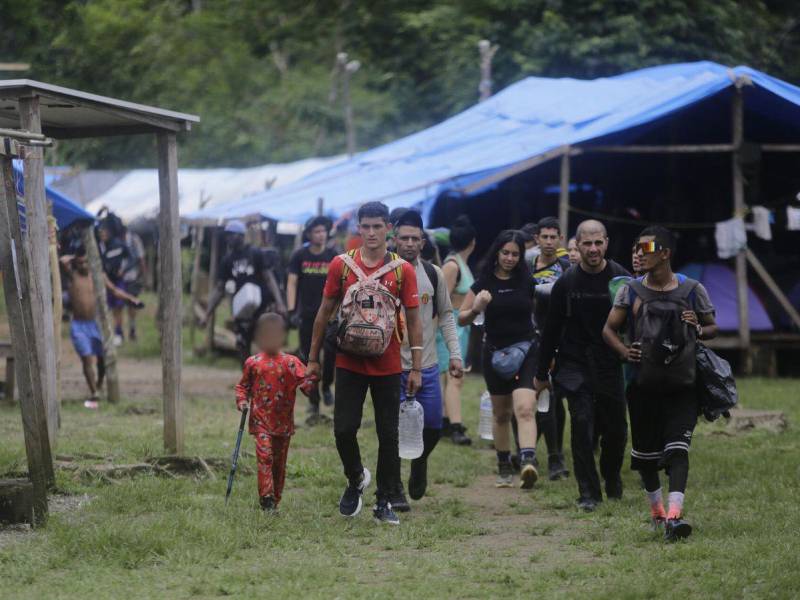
(271, 453)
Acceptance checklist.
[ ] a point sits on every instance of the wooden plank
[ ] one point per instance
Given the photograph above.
(103, 316)
(11, 380)
(661, 149)
(39, 268)
(14, 258)
(780, 147)
(58, 303)
(199, 239)
(170, 291)
(563, 195)
(737, 128)
(773, 287)
(212, 281)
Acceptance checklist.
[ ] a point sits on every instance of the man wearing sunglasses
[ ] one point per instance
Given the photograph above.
(666, 313)
(589, 375)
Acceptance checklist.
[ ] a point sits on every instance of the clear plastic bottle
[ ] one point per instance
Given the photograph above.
(412, 420)
(486, 418)
(543, 401)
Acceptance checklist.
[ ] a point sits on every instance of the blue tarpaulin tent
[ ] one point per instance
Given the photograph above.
(65, 210)
(519, 128)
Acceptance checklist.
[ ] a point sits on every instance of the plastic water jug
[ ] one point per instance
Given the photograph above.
(486, 418)
(543, 404)
(412, 420)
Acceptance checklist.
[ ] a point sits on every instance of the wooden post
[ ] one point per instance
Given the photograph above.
(103, 316)
(40, 284)
(212, 282)
(563, 195)
(737, 126)
(58, 303)
(320, 206)
(199, 239)
(14, 262)
(170, 290)
(773, 287)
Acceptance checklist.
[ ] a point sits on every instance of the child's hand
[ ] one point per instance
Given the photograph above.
(241, 406)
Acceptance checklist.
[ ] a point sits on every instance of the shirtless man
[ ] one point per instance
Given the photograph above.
(85, 334)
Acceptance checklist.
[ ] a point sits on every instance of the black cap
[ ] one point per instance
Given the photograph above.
(408, 217)
(317, 221)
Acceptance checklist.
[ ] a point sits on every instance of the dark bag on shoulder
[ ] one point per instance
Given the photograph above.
(716, 387)
(507, 362)
(668, 344)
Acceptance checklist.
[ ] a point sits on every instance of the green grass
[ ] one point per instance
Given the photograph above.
(153, 537)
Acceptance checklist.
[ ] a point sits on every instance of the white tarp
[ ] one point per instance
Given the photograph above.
(136, 194)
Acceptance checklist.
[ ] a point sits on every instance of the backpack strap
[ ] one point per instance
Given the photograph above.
(346, 268)
(430, 271)
(350, 262)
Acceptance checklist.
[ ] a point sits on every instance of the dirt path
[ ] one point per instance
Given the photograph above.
(142, 379)
(516, 528)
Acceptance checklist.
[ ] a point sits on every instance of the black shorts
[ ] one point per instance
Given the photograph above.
(661, 426)
(498, 386)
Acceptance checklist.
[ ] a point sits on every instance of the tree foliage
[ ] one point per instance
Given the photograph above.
(262, 73)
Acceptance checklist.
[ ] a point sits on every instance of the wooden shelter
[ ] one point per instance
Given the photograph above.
(39, 110)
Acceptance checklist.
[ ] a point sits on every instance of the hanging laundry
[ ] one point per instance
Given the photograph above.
(761, 222)
(731, 237)
(793, 218)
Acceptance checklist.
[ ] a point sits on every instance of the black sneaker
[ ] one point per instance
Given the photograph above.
(555, 467)
(418, 479)
(505, 475)
(383, 513)
(614, 488)
(458, 435)
(516, 465)
(351, 502)
(268, 504)
(398, 500)
(587, 504)
(327, 397)
(528, 474)
(676, 529)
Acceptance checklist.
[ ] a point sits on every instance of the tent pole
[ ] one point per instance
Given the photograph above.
(563, 196)
(170, 291)
(212, 281)
(199, 239)
(41, 286)
(737, 126)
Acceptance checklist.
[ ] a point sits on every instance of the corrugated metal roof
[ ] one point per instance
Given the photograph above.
(68, 113)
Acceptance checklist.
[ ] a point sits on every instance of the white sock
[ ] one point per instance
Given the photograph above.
(655, 497)
(676, 502)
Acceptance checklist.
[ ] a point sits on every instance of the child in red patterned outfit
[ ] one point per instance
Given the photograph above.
(269, 382)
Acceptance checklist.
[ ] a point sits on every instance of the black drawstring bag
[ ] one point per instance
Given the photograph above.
(716, 387)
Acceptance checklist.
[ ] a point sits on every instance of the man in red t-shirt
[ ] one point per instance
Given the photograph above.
(380, 375)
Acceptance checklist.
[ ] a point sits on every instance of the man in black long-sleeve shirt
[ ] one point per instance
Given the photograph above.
(587, 371)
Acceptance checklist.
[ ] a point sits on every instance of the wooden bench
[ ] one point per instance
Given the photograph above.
(7, 352)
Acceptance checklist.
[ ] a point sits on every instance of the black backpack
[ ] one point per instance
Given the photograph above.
(668, 344)
(434, 277)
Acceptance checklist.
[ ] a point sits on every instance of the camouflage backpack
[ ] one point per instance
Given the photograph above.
(368, 314)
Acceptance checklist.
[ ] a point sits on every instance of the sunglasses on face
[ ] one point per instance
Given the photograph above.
(648, 247)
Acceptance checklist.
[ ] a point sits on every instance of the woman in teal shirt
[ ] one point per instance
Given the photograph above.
(459, 280)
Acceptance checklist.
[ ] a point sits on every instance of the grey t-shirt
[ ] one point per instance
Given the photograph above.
(701, 301)
(445, 320)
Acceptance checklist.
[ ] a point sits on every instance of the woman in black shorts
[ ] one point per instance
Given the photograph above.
(504, 291)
